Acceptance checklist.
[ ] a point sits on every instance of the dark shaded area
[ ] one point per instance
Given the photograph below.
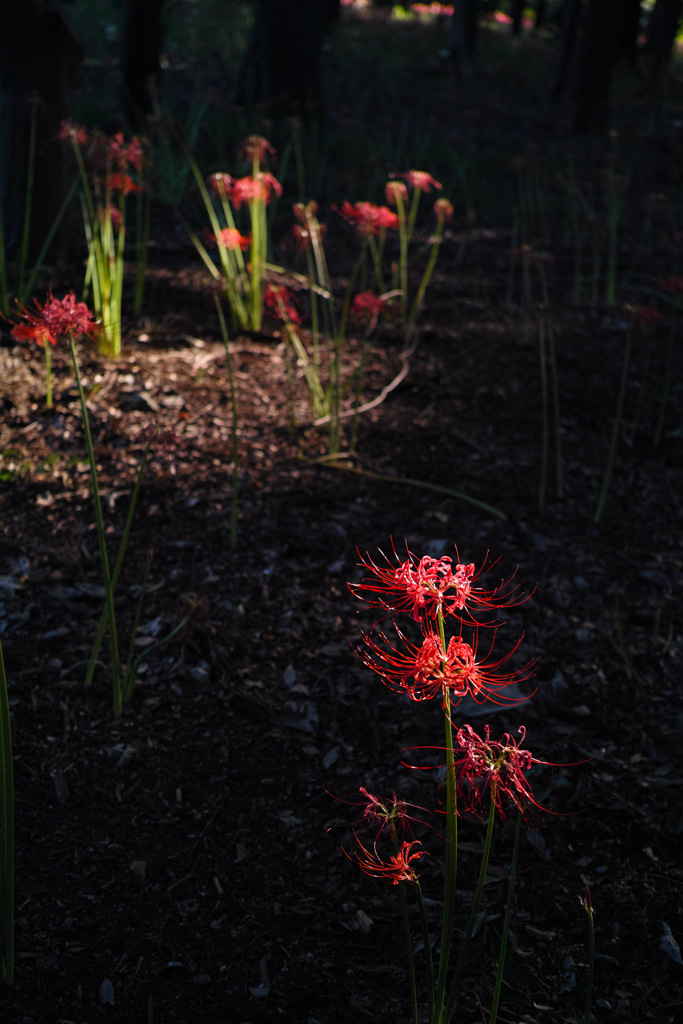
(185, 861)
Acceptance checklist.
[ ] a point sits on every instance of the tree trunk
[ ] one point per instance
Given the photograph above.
(39, 63)
(595, 69)
(140, 58)
(661, 34)
(627, 31)
(570, 28)
(463, 36)
(281, 70)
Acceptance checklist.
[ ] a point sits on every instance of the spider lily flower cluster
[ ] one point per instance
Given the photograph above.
(110, 169)
(242, 257)
(489, 777)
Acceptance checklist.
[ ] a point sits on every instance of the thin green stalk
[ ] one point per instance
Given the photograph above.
(6, 835)
(451, 851)
(542, 487)
(104, 558)
(234, 510)
(426, 277)
(667, 381)
(128, 684)
(506, 924)
(427, 943)
(48, 374)
(403, 251)
(4, 296)
(615, 430)
(588, 904)
(26, 234)
(409, 948)
(117, 566)
(462, 958)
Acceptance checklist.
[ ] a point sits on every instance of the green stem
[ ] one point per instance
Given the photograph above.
(48, 374)
(615, 430)
(506, 924)
(542, 488)
(462, 958)
(104, 559)
(6, 835)
(451, 851)
(117, 566)
(591, 955)
(233, 406)
(426, 277)
(409, 948)
(426, 941)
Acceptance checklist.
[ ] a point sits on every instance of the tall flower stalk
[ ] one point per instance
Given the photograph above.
(105, 165)
(6, 835)
(483, 775)
(241, 275)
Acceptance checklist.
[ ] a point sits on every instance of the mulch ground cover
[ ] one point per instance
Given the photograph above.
(184, 863)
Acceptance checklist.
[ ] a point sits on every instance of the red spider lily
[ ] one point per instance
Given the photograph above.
(427, 586)
(366, 305)
(368, 218)
(114, 216)
(120, 182)
(443, 208)
(221, 183)
(496, 766)
(255, 147)
(673, 285)
(73, 133)
(393, 190)
(261, 187)
(396, 869)
(389, 814)
(278, 300)
(124, 153)
(230, 238)
(647, 315)
(428, 671)
(55, 318)
(422, 180)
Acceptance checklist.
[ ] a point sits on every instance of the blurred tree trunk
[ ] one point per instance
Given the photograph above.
(516, 15)
(142, 38)
(541, 10)
(598, 53)
(627, 29)
(661, 34)
(39, 63)
(463, 36)
(281, 70)
(570, 27)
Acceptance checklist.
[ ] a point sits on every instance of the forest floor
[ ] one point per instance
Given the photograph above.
(185, 862)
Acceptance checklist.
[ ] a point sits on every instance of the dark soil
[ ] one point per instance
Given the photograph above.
(184, 863)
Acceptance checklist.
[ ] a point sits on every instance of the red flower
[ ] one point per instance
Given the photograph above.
(647, 315)
(261, 187)
(498, 766)
(443, 209)
(120, 182)
(394, 189)
(221, 183)
(279, 302)
(368, 218)
(73, 132)
(428, 671)
(367, 305)
(230, 238)
(426, 586)
(673, 285)
(396, 869)
(55, 318)
(422, 180)
(122, 153)
(255, 147)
